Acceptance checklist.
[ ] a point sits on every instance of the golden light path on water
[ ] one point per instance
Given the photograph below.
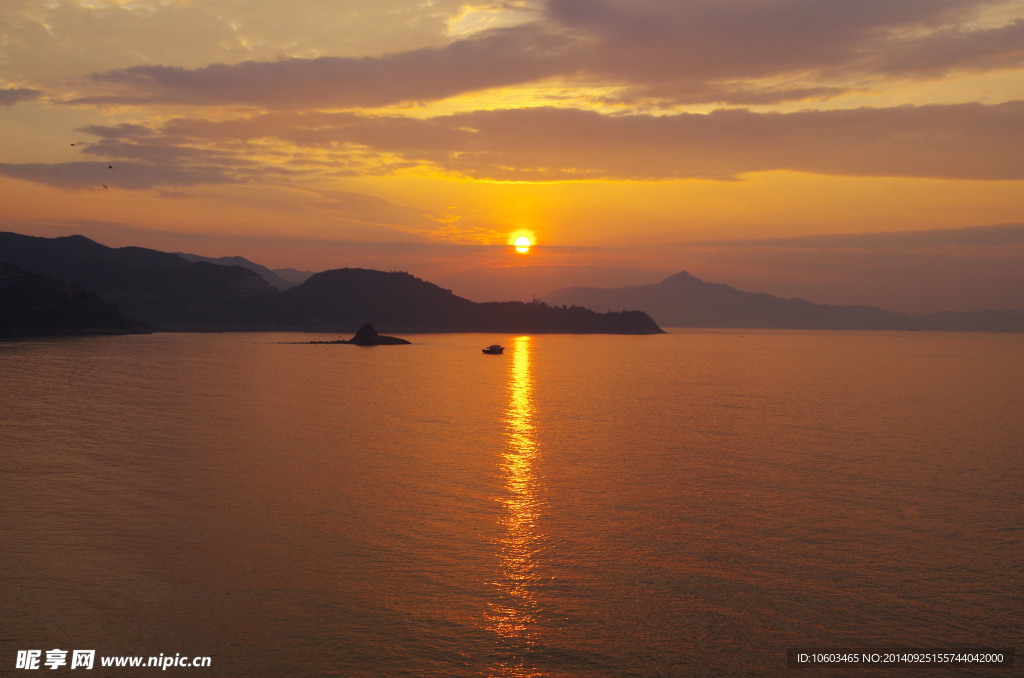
(513, 616)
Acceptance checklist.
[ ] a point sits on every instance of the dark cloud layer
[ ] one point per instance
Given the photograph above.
(664, 52)
(667, 44)
(696, 51)
(9, 97)
(502, 57)
(964, 141)
(98, 175)
(933, 55)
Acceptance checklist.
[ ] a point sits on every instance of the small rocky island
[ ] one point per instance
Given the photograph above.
(366, 336)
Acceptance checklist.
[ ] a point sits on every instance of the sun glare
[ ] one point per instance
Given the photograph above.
(523, 244)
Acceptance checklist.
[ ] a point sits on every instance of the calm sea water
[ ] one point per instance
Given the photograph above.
(690, 504)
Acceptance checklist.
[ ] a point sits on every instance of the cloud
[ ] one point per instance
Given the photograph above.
(959, 141)
(743, 38)
(11, 96)
(133, 175)
(49, 42)
(941, 51)
(274, 147)
(968, 141)
(138, 157)
(140, 143)
(738, 51)
(507, 56)
(677, 52)
(962, 141)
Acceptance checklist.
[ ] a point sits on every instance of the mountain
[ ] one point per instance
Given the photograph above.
(159, 288)
(168, 291)
(681, 300)
(35, 305)
(282, 279)
(171, 293)
(292, 275)
(347, 297)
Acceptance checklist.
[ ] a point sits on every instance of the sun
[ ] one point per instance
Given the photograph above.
(522, 239)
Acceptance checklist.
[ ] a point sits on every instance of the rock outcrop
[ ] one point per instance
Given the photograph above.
(367, 336)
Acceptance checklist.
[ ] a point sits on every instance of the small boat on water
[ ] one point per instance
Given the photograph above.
(494, 349)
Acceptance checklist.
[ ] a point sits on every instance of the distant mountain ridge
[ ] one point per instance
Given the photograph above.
(402, 302)
(682, 300)
(170, 292)
(282, 279)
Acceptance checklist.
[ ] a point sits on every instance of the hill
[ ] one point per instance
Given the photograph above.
(171, 293)
(341, 298)
(282, 279)
(35, 305)
(159, 288)
(681, 300)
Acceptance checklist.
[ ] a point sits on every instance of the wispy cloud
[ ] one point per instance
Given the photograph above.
(969, 141)
(14, 95)
(745, 52)
(132, 175)
(502, 57)
(698, 51)
(55, 41)
(966, 141)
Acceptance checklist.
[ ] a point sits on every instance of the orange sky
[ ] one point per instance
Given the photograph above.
(846, 152)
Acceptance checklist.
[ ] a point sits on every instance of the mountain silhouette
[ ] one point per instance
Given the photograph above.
(682, 300)
(171, 293)
(156, 287)
(35, 305)
(345, 297)
(282, 279)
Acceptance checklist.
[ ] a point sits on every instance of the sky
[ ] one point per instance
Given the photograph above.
(843, 151)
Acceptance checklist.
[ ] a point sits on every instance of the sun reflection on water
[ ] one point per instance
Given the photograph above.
(513, 615)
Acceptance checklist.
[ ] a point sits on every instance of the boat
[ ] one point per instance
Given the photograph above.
(494, 349)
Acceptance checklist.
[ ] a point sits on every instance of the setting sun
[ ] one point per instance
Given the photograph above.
(523, 244)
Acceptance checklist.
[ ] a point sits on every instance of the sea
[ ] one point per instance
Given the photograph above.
(697, 503)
